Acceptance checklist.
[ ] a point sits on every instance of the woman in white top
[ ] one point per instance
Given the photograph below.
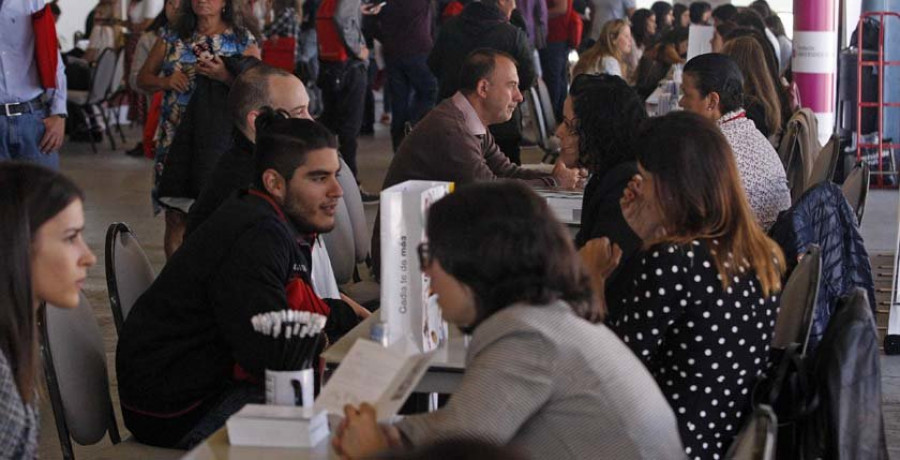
(608, 54)
(539, 376)
(712, 86)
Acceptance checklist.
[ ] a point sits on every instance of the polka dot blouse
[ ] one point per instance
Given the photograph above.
(705, 344)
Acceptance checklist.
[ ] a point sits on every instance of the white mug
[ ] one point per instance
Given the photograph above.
(289, 388)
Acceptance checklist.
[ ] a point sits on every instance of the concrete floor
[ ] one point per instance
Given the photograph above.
(117, 189)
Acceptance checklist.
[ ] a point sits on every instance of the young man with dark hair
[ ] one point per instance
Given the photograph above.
(187, 355)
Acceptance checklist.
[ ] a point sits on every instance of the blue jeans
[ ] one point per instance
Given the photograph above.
(20, 139)
(554, 59)
(413, 91)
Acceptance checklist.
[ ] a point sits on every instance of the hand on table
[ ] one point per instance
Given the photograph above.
(568, 178)
(360, 436)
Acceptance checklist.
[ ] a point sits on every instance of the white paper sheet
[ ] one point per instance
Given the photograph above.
(383, 377)
(699, 38)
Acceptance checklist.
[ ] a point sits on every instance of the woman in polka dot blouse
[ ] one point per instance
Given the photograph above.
(701, 305)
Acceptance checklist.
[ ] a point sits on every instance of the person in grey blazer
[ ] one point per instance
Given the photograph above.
(539, 375)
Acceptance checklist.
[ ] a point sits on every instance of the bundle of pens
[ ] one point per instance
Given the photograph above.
(292, 338)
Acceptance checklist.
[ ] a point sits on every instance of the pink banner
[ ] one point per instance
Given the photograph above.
(816, 91)
(814, 15)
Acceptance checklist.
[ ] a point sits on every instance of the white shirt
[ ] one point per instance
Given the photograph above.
(146, 9)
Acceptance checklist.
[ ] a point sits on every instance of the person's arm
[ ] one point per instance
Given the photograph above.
(656, 298)
(250, 281)
(347, 20)
(525, 58)
(498, 166)
(504, 386)
(629, 7)
(55, 123)
(149, 79)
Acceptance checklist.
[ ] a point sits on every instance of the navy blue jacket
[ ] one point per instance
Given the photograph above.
(822, 216)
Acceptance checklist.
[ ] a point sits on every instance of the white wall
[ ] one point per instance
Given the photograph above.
(74, 12)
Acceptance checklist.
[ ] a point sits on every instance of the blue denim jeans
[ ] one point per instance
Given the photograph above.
(554, 59)
(413, 90)
(20, 139)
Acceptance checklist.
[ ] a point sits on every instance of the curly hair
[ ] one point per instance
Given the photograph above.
(607, 116)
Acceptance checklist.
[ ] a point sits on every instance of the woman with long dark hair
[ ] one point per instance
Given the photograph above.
(664, 16)
(202, 33)
(700, 306)
(43, 258)
(538, 375)
(599, 129)
(713, 87)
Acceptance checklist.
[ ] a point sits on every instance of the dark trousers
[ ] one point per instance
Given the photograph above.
(554, 59)
(413, 90)
(343, 88)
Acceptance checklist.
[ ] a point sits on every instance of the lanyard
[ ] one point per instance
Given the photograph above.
(740, 115)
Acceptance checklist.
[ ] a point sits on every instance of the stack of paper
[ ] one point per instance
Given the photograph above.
(566, 206)
(277, 426)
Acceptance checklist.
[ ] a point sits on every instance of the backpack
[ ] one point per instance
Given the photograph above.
(331, 46)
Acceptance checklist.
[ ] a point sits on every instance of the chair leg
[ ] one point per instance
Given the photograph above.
(118, 125)
(89, 118)
(112, 140)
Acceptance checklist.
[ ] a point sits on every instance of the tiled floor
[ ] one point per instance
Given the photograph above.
(117, 189)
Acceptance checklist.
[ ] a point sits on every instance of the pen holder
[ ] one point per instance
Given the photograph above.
(290, 388)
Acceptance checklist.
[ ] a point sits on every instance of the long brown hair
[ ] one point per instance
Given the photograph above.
(31, 196)
(758, 84)
(701, 197)
(605, 46)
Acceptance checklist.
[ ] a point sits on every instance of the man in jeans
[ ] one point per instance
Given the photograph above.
(32, 119)
(342, 78)
(405, 29)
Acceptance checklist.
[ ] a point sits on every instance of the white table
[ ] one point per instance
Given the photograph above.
(216, 447)
(446, 369)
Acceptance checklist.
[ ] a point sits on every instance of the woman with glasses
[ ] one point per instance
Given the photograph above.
(601, 117)
(539, 375)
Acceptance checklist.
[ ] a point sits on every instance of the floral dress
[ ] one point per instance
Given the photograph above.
(180, 56)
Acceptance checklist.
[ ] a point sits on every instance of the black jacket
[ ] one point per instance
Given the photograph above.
(233, 171)
(202, 136)
(823, 216)
(846, 369)
(185, 334)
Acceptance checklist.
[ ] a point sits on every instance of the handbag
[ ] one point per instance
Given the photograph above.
(46, 46)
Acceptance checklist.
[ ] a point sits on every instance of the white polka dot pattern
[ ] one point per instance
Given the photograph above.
(705, 354)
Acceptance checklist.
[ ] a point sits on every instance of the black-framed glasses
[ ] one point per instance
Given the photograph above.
(425, 256)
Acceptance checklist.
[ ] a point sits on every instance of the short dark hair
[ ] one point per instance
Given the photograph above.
(762, 7)
(725, 13)
(250, 91)
(774, 24)
(501, 240)
(608, 114)
(719, 73)
(31, 196)
(283, 142)
(750, 18)
(697, 10)
(479, 65)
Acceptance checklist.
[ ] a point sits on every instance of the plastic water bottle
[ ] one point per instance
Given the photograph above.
(379, 333)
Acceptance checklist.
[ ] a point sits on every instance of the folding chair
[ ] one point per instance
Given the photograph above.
(856, 189)
(823, 168)
(86, 101)
(78, 383)
(128, 271)
(544, 107)
(117, 89)
(798, 302)
(349, 243)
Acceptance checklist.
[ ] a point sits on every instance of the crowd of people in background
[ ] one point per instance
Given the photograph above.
(642, 338)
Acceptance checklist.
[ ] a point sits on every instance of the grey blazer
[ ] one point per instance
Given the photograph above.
(556, 386)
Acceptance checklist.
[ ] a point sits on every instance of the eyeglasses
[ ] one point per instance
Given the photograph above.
(425, 256)
(570, 124)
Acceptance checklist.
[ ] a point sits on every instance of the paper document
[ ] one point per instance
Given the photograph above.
(699, 38)
(382, 377)
(566, 205)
